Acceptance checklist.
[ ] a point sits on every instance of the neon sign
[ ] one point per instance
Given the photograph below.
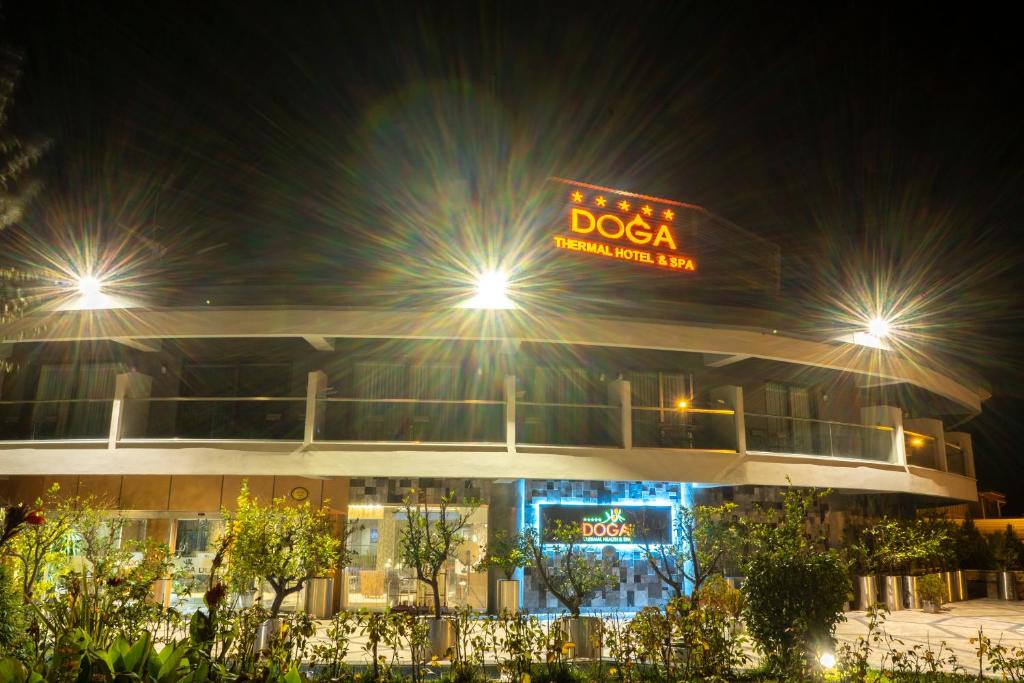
(616, 524)
(623, 226)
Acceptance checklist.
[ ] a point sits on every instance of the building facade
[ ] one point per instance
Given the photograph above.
(164, 411)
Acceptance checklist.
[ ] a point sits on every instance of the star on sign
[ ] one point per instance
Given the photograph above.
(577, 196)
(647, 211)
(600, 201)
(669, 214)
(624, 205)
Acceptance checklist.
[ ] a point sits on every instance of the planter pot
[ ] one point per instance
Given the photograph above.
(911, 600)
(893, 593)
(584, 633)
(955, 587)
(508, 596)
(266, 634)
(1007, 585)
(931, 607)
(867, 592)
(440, 638)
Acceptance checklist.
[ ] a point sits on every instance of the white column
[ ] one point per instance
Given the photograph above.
(621, 394)
(731, 397)
(892, 417)
(129, 417)
(510, 413)
(933, 428)
(316, 389)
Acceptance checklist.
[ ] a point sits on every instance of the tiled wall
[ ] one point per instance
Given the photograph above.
(638, 585)
(385, 491)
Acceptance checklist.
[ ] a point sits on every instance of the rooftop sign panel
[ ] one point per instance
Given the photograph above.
(642, 230)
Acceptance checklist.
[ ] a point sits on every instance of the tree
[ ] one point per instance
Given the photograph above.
(281, 544)
(431, 539)
(16, 191)
(571, 576)
(795, 589)
(504, 553)
(702, 537)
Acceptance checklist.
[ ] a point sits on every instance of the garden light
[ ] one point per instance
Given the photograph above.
(827, 660)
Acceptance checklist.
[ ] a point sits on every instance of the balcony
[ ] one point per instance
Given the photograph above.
(505, 422)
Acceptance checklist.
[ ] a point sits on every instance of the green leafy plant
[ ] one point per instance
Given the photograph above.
(795, 590)
(282, 544)
(505, 553)
(702, 537)
(932, 589)
(1005, 549)
(431, 539)
(570, 574)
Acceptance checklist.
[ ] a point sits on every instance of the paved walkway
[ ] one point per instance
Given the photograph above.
(955, 626)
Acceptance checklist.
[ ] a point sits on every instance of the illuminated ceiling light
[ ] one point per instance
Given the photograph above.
(917, 442)
(878, 327)
(683, 404)
(491, 292)
(89, 285)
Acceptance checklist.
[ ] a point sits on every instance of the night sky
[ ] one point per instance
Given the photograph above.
(301, 143)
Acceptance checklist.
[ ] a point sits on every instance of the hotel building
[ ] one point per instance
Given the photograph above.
(645, 382)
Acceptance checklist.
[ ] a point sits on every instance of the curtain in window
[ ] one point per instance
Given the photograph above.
(800, 406)
(95, 380)
(49, 420)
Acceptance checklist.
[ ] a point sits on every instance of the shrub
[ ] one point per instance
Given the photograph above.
(795, 591)
(931, 588)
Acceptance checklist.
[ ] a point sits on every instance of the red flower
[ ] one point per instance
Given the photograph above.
(215, 595)
(35, 518)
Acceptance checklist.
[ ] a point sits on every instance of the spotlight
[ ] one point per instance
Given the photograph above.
(917, 442)
(827, 660)
(491, 292)
(878, 327)
(89, 285)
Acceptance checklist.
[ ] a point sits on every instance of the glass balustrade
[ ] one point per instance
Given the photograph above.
(567, 424)
(803, 436)
(207, 418)
(921, 449)
(412, 420)
(55, 420)
(692, 428)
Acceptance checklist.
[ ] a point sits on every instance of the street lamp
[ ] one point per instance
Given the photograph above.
(491, 292)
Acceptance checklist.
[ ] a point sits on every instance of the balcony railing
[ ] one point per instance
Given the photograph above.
(412, 420)
(215, 418)
(133, 416)
(56, 419)
(567, 424)
(804, 436)
(698, 428)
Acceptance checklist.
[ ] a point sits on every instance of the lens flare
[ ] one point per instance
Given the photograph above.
(491, 292)
(89, 285)
(878, 327)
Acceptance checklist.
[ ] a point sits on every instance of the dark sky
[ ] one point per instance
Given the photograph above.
(296, 141)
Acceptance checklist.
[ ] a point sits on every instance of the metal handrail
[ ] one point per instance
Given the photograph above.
(44, 401)
(563, 405)
(442, 401)
(907, 432)
(197, 399)
(675, 409)
(827, 422)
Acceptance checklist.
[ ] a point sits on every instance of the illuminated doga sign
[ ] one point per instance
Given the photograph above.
(623, 226)
(612, 227)
(622, 524)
